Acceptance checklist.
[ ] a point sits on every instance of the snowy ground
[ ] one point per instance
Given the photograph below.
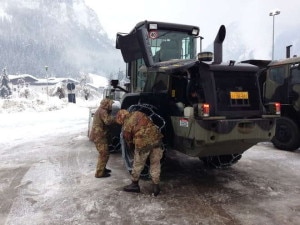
(47, 177)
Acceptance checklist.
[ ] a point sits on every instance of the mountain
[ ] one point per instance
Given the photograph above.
(64, 35)
(67, 37)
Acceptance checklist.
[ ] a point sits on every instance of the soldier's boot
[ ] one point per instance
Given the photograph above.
(107, 170)
(133, 187)
(102, 176)
(156, 189)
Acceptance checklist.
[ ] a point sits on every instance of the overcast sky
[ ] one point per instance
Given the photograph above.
(121, 16)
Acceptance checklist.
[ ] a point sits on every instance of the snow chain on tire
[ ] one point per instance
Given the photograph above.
(222, 161)
(115, 145)
(127, 153)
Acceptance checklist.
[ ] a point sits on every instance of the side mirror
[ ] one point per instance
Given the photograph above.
(114, 83)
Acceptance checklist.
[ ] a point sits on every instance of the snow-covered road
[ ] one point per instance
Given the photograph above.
(47, 177)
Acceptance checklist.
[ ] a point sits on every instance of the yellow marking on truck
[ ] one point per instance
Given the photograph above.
(239, 95)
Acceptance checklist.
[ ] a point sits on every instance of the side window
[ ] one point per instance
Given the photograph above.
(161, 83)
(156, 82)
(277, 75)
(187, 48)
(141, 77)
(295, 75)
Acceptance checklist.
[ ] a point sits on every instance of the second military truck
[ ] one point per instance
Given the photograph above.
(280, 82)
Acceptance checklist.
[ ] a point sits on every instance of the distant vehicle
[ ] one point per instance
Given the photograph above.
(205, 108)
(112, 93)
(280, 81)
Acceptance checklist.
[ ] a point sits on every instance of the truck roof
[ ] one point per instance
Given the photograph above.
(166, 26)
(261, 63)
(285, 61)
(173, 66)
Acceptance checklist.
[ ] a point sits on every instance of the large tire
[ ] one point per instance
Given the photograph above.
(221, 161)
(114, 146)
(287, 134)
(113, 134)
(128, 155)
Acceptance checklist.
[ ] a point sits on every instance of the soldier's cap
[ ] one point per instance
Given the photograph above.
(121, 115)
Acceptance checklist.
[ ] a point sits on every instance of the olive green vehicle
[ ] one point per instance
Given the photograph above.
(280, 82)
(205, 108)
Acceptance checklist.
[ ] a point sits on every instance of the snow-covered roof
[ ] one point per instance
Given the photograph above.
(99, 81)
(55, 80)
(16, 77)
(41, 81)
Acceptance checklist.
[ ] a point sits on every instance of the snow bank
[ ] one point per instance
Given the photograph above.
(38, 102)
(39, 105)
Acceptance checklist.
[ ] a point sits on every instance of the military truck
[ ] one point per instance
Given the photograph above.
(280, 82)
(205, 108)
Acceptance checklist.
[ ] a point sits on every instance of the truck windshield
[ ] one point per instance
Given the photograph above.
(166, 45)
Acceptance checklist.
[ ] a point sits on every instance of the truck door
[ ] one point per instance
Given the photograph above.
(276, 85)
(294, 91)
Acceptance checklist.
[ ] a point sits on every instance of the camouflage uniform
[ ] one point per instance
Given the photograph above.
(140, 131)
(101, 120)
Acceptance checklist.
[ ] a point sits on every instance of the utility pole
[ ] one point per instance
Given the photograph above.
(46, 67)
(273, 14)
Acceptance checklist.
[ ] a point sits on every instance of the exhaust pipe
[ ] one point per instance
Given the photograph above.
(288, 51)
(218, 45)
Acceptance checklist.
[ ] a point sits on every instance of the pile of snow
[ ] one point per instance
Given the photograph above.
(39, 102)
(33, 98)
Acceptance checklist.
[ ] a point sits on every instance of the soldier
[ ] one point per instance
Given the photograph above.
(98, 135)
(140, 131)
(5, 81)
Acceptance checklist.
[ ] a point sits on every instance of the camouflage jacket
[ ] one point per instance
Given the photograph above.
(101, 120)
(139, 130)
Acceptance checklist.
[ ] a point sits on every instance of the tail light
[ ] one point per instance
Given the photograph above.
(274, 108)
(205, 110)
(201, 110)
(277, 108)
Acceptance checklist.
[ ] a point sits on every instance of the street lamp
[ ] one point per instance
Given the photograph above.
(46, 68)
(273, 13)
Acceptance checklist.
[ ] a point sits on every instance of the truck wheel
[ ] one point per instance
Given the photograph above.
(113, 134)
(221, 161)
(286, 135)
(128, 155)
(115, 145)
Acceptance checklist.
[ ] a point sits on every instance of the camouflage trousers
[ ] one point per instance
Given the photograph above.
(140, 157)
(103, 157)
